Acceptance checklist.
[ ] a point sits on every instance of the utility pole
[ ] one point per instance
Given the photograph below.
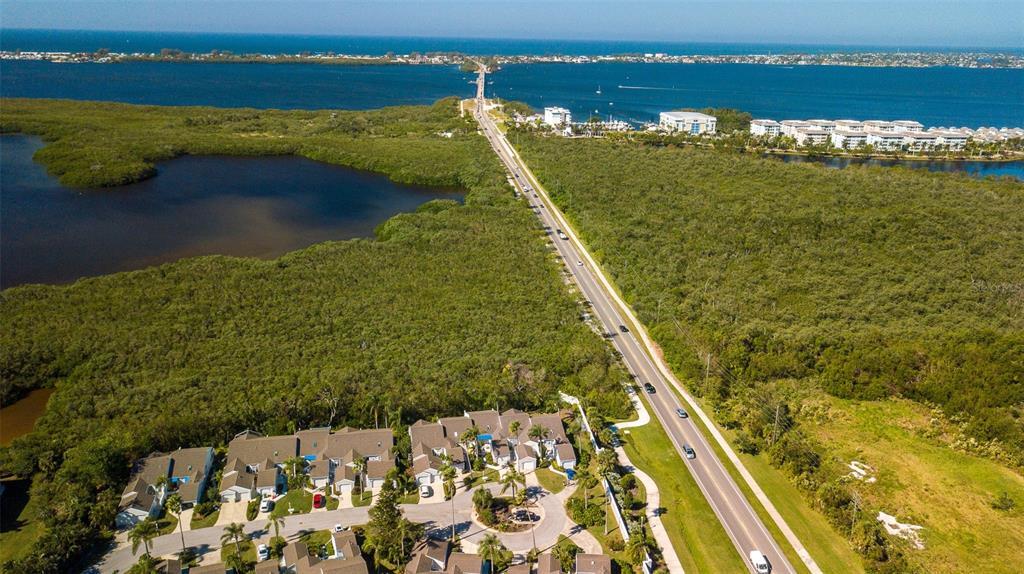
(775, 431)
(707, 373)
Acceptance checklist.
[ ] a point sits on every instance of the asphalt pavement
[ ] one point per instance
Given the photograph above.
(741, 522)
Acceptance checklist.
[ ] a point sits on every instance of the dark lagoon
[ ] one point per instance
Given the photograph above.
(196, 205)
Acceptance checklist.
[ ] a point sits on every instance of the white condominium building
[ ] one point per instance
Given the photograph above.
(811, 136)
(558, 117)
(694, 123)
(826, 126)
(879, 126)
(907, 126)
(846, 139)
(790, 127)
(764, 128)
(849, 125)
(882, 140)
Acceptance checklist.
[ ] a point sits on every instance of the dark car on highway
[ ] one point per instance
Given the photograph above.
(649, 388)
(623, 328)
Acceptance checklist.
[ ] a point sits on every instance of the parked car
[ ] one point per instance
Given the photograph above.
(266, 505)
(339, 528)
(262, 552)
(426, 491)
(623, 328)
(649, 388)
(682, 414)
(319, 500)
(690, 454)
(759, 562)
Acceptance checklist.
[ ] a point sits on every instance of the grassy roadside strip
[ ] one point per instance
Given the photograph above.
(697, 536)
(830, 550)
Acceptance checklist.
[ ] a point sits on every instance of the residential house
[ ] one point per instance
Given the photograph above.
(432, 443)
(190, 470)
(547, 564)
(145, 493)
(348, 448)
(347, 558)
(593, 564)
(436, 556)
(261, 456)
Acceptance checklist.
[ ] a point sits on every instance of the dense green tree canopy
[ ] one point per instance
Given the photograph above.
(452, 307)
(870, 281)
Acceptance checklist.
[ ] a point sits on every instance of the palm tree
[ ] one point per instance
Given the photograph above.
(492, 550)
(586, 479)
(482, 498)
(539, 433)
(607, 461)
(277, 521)
(143, 533)
(636, 548)
(513, 428)
(174, 506)
(233, 532)
(359, 465)
(468, 440)
(512, 478)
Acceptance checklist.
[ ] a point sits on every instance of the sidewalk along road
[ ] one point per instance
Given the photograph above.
(734, 511)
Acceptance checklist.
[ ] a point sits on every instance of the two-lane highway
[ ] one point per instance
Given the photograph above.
(739, 519)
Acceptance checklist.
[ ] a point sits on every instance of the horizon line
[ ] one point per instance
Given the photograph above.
(526, 39)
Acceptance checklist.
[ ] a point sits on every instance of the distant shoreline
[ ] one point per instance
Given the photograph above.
(972, 60)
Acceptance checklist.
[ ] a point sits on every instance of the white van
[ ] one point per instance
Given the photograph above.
(759, 562)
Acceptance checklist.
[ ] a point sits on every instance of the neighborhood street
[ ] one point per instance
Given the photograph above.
(437, 516)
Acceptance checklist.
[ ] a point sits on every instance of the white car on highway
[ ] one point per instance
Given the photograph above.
(759, 562)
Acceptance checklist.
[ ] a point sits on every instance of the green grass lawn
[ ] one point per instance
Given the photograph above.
(483, 476)
(332, 503)
(830, 550)
(317, 540)
(19, 529)
(923, 480)
(246, 546)
(296, 501)
(697, 535)
(204, 522)
(167, 523)
(411, 498)
(550, 481)
(364, 498)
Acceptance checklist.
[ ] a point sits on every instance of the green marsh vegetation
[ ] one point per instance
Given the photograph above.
(867, 283)
(452, 307)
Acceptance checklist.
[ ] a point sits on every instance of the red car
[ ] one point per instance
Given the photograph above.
(319, 500)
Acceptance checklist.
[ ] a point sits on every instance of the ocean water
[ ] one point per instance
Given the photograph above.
(196, 205)
(278, 86)
(638, 92)
(91, 40)
(633, 92)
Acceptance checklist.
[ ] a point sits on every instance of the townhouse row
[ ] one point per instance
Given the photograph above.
(344, 557)
(255, 465)
(437, 556)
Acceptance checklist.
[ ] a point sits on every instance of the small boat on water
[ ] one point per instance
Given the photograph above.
(598, 92)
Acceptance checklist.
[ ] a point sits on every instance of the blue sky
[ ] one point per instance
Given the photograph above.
(880, 22)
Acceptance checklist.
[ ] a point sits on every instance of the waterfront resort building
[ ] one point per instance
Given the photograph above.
(557, 117)
(693, 123)
(768, 128)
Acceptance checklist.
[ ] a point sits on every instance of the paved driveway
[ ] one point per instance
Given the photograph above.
(434, 516)
(232, 512)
